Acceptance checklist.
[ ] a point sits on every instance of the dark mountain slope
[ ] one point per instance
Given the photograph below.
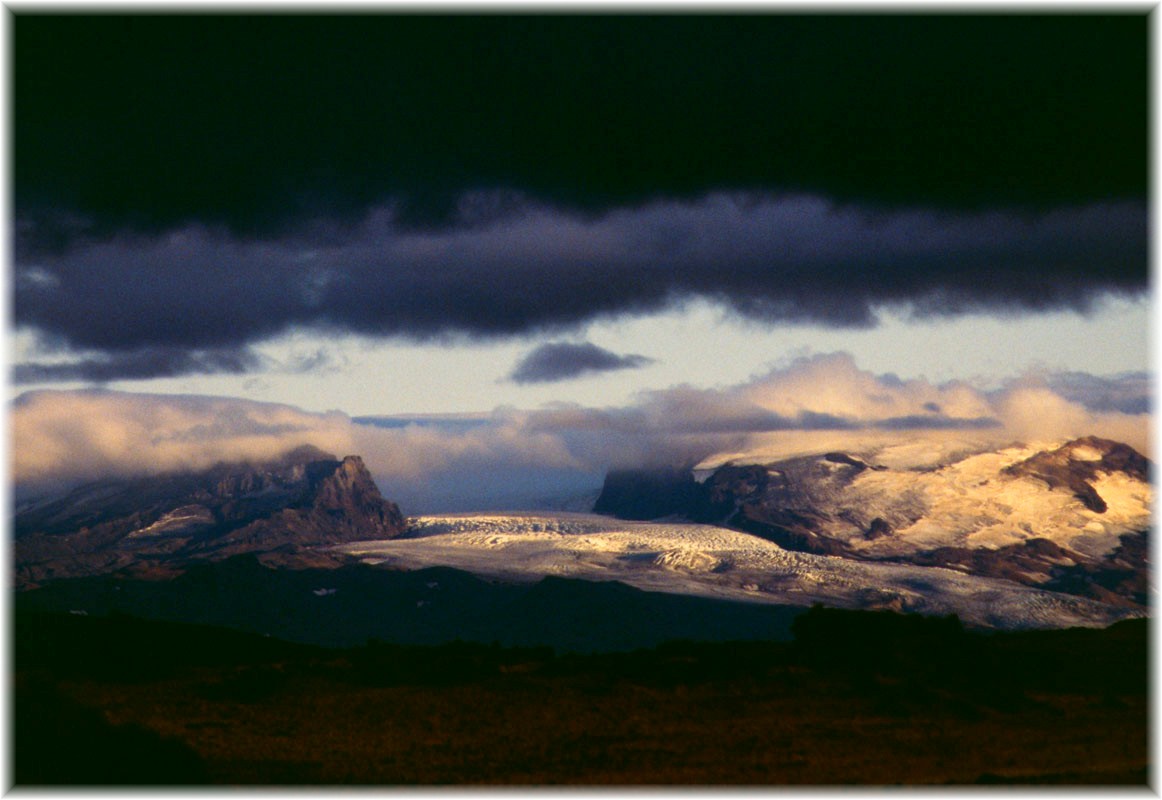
(1063, 467)
(347, 606)
(162, 524)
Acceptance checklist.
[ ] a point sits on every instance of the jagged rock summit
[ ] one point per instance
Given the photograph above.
(285, 509)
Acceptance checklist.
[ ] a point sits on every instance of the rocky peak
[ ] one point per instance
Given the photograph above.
(292, 473)
(348, 489)
(305, 454)
(844, 458)
(305, 499)
(328, 501)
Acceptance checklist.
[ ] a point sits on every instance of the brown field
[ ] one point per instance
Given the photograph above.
(1064, 708)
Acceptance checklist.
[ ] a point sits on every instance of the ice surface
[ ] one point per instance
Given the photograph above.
(710, 561)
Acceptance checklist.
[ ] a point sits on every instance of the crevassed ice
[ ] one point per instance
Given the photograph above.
(709, 561)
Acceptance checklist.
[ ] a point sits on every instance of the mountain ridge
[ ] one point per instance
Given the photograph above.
(1072, 517)
(1001, 537)
(287, 508)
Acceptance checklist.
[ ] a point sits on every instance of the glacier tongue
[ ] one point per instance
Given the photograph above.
(711, 561)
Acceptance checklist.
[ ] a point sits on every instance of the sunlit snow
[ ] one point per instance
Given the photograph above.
(710, 561)
(956, 496)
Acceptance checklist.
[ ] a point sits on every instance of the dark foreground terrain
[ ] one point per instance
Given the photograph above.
(856, 698)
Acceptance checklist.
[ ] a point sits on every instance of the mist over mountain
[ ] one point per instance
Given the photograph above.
(1010, 538)
(284, 509)
(511, 458)
(1070, 518)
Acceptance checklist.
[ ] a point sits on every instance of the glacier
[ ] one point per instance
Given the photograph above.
(716, 562)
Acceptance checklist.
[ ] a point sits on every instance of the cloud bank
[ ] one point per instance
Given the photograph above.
(517, 175)
(62, 437)
(139, 300)
(147, 362)
(511, 458)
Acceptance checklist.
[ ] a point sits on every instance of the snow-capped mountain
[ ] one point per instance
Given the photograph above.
(1024, 536)
(1071, 516)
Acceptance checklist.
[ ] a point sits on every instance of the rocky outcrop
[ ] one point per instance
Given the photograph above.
(1119, 578)
(760, 500)
(1076, 464)
(338, 502)
(790, 502)
(879, 527)
(648, 493)
(727, 488)
(305, 500)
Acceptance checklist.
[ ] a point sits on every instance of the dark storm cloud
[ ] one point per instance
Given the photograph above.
(797, 259)
(152, 362)
(558, 361)
(258, 122)
(208, 182)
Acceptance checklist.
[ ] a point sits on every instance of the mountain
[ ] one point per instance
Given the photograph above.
(1072, 517)
(647, 494)
(287, 509)
(1016, 538)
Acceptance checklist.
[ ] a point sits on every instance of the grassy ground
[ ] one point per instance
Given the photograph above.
(919, 705)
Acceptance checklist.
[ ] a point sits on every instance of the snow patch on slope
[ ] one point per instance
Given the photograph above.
(947, 492)
(971, 503)
(185, 519)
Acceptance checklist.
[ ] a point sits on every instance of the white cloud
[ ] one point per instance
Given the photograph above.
(833, 384)
(70, 436)
(514, 458)
(1037, 413)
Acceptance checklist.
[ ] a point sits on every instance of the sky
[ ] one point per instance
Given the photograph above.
(532, 247)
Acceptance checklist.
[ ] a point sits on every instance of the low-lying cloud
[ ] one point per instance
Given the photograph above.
(553, 455)
(66, 437)
(559, 361)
